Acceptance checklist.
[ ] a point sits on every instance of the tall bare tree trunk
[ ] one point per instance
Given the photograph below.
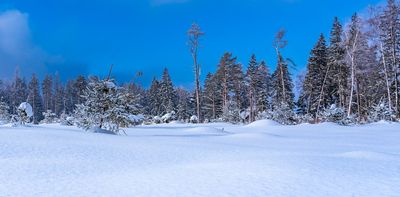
(386, 78)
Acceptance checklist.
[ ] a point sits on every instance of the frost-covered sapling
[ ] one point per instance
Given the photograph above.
(107, 107)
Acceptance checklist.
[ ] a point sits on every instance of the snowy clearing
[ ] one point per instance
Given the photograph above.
(261, 159)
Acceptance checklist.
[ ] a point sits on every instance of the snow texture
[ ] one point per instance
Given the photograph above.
(27, 108)
(218, 159)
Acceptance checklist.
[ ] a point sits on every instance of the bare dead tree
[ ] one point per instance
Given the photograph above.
(280, 43)
(194, 34)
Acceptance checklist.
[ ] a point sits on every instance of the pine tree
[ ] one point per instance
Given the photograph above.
(252, 83)
(80, 85)
(167, 94)
(222, 77)
(35, 99)
(4, 112)
(237, 89)
(263, 88)
(106, 107)
(19, 92)
(314, 95)
(211, 98)
(184, 110)
(58, 101)
(47, 92)
(337, 83)
(154, 98)
(69, 97)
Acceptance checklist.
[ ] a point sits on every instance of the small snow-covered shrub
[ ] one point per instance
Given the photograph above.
(156, 120)
(267, 114)
(24, 112)
(335, 114)
(194, 119)
(380, 112)
(349, 120)
(244, 115)
(66, 120)
(4, 114)
(49, 117)
(168, 117)
(284, 115)
(137, 119)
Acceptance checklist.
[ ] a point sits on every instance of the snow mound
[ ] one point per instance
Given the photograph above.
(262, 124)
(207, 130)
(27, 108)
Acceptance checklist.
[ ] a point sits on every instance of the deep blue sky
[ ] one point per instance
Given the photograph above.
(82, 36)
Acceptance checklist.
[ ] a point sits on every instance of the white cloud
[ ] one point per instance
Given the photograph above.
(16, 46)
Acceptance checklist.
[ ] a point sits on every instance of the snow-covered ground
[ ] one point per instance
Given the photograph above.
(261, 159)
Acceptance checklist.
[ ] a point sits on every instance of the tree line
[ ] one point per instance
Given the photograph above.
(352, 79)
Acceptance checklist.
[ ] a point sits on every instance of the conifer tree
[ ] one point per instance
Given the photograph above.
(4, 111)
(263, 88)
(35, 99)
(252, 83)
(337, 83)
(58, 101)
(47, 92)
(154, 98)
(211, 98)
(314, 95)
(167, 94)
(19, 92)
(107, 107)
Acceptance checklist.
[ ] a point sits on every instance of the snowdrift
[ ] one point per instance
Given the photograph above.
(262, 124)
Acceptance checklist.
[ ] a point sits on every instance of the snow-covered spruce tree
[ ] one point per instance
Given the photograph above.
(251, 82)
(35, 99)
(4, 112)
(184, 112)
(47, 92)
(154, 98)
(49, 117)
(168, 96)
(337, 82)
(313, 97)
(237, 90)
(58, 100)
(106, 107)
(211, 98)
(231, 112)
(19, 92)
(263, 89)
(222, 78)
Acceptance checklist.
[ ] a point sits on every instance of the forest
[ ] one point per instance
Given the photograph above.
(352, 77)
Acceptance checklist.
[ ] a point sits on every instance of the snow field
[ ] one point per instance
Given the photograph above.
(260, 159)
